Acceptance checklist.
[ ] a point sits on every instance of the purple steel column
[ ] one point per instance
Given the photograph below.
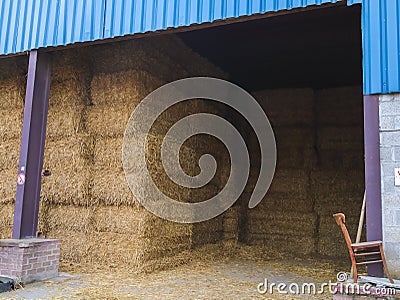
(32, 146)
(372, 175)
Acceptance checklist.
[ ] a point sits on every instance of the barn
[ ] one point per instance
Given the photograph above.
(326, 74)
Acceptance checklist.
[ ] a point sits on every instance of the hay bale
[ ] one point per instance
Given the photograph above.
(70, 64)
(6, 220)
(231, 223)
(11, 123)
(288, 224)
(344, 159)
(188, 60)
(298, 246)
(108, 121)
(330, 240)
(341, 138)
(67, 186)
(136, 54)
(8, 187)
(68, 93)
(342, 105)
(9, 154)
(287, 183)
(277, 202)
(99, 249)
(346, 183)
(12, 93)
(65, 122)
(64, 153)
(123, 88)
(287, 107)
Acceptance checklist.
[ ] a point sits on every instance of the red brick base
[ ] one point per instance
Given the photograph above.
(29, 260)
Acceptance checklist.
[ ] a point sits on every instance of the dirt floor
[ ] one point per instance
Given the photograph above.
(205, 277)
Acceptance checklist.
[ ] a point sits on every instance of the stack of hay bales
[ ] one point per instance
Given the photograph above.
(66, 148)
(338, 179)
(123, 74)
(12, 93)
(285, 220)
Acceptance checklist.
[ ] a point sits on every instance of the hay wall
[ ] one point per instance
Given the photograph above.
(320, 167)
(86, 202)
(12, 93)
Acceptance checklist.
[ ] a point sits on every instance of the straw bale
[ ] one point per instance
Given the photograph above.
(12, 93)
(290, 223)
(340, 138)
(342, 105)
(346, 183)
(157, 247)
(13, 66)
(101, 249)
(67, 186)
(9, 154)
(8, 186)
(345, 160)
(123, 88)
(331, 241)
(231, 223)
(65, 122)
(70, 64)
(66, 153)
(108, 153)
(287, 106)
(108, 121)
(293, 137)
(6, 220)
(278, 202)
(337, 202)
(11, 123)
(299, 246)
(136, 54)
(110, 187)
(68, 93)
(70, 218)
(302, 157)
(190, 61)
(287, 183)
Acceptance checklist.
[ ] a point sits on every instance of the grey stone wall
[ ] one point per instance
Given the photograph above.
(389, 115)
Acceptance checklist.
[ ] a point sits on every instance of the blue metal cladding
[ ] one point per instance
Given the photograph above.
(33, 24)
(381, 46)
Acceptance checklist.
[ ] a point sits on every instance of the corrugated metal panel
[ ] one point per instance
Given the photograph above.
(381, 44)
(32, 24)
(352, 2)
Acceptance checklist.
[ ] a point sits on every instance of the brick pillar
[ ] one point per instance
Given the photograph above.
(389, 123)
(29, 260)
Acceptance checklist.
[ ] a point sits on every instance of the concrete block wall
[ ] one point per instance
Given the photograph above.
(389, 123)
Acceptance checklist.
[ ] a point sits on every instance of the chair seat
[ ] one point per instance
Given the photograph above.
(366, 244)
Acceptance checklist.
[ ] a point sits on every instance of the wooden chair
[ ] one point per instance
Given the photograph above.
(362, 253)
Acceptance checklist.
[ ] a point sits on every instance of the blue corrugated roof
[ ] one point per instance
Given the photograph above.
(381, 44)
(33, 24)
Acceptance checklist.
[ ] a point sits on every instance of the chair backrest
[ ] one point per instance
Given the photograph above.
(340, 219)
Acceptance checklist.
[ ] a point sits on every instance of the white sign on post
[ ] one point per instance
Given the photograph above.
(397, 176)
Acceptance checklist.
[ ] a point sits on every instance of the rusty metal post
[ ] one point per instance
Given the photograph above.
(373, 176)
(32, 146)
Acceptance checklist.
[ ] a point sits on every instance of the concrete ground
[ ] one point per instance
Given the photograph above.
(232, 279)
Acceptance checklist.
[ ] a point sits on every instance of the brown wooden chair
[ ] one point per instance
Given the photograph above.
(362, 253)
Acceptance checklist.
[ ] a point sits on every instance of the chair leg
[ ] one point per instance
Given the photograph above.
(384, 264)
(354, 266)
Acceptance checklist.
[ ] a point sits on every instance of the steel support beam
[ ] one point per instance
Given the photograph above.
(373, 176)
(32, 146)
